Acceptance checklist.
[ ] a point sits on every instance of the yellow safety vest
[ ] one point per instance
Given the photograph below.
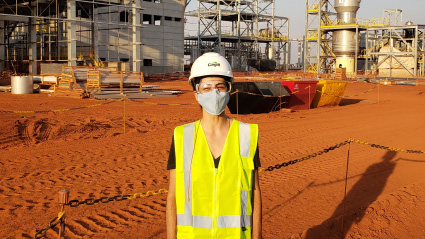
(214, 203)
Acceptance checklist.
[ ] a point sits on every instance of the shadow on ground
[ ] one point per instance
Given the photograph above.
(358, 199)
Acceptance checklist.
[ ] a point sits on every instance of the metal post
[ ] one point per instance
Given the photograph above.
(256, 31)
(415, 45)
(421, 55)
(41, 39)
(391, 50)
(273, 36)
(71, 33)
(345, 188)
(137, 38)
(305, 38)
(199, 29)
(288, 49)
(219, 31)
(366, 70)
(239, 34)
(357, 49)
(94, 33)
(2, 46)
(63, 200)
(32, 41)
(124, 112)
(319, 38)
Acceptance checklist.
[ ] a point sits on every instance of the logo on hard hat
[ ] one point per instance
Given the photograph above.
(215, 64)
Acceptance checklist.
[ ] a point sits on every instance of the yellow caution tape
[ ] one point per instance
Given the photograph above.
(55, 111)
(387, 148)
(148, 193)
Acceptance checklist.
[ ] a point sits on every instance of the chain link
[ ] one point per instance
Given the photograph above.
(92, 201)
(53, 223)
(387, 148)
(327, 150)
(291, 162)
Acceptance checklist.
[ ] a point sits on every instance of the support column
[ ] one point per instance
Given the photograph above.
(2, 46)
(94, 33)
(32, 42)
(71, 33)
(137, 36)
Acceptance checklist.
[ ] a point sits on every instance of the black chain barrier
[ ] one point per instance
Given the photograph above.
(53, 223)
(55, 111)
(388, 148)
(392, 149)
(324, 151)
(92, 201)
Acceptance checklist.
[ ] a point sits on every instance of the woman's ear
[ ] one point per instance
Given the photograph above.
(196, 95)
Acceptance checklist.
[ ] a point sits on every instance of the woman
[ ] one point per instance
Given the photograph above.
(214, 190)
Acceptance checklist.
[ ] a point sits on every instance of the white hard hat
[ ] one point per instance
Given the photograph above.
(210, 64)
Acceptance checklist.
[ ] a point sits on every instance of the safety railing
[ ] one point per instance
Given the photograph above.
(332, 23)
(378, 22)
(312, 35)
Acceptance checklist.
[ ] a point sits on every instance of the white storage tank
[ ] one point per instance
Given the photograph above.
(22, 84)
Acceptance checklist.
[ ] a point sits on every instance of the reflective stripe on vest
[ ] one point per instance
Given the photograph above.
(245, 139)
(186, 134)
(188, 137)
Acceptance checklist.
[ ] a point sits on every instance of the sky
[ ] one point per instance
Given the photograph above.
(295, 10)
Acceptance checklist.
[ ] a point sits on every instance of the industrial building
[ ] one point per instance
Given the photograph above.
(335, 38)
(43, 35)
(247, 32)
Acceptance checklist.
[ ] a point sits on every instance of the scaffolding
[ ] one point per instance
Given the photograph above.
(396, 51)
(239, 30)
(384, 44)
(70, 31)
(318, 54)
(321, 23)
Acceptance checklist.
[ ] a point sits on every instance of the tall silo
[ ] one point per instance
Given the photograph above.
(344, 41)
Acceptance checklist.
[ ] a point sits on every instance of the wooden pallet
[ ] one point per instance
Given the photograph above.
(73, 74)
(121, 79)
(341, 74)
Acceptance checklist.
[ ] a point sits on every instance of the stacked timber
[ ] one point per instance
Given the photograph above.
(73, 74)
(340, 74)
(101, 79)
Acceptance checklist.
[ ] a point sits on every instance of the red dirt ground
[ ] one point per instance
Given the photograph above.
(87, 152)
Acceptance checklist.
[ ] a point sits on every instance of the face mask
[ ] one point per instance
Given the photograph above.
(214, 102)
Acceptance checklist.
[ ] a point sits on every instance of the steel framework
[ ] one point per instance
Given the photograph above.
(65, 31)
(393, 44)
(318, 52)
(240, 30)
(321, 22)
